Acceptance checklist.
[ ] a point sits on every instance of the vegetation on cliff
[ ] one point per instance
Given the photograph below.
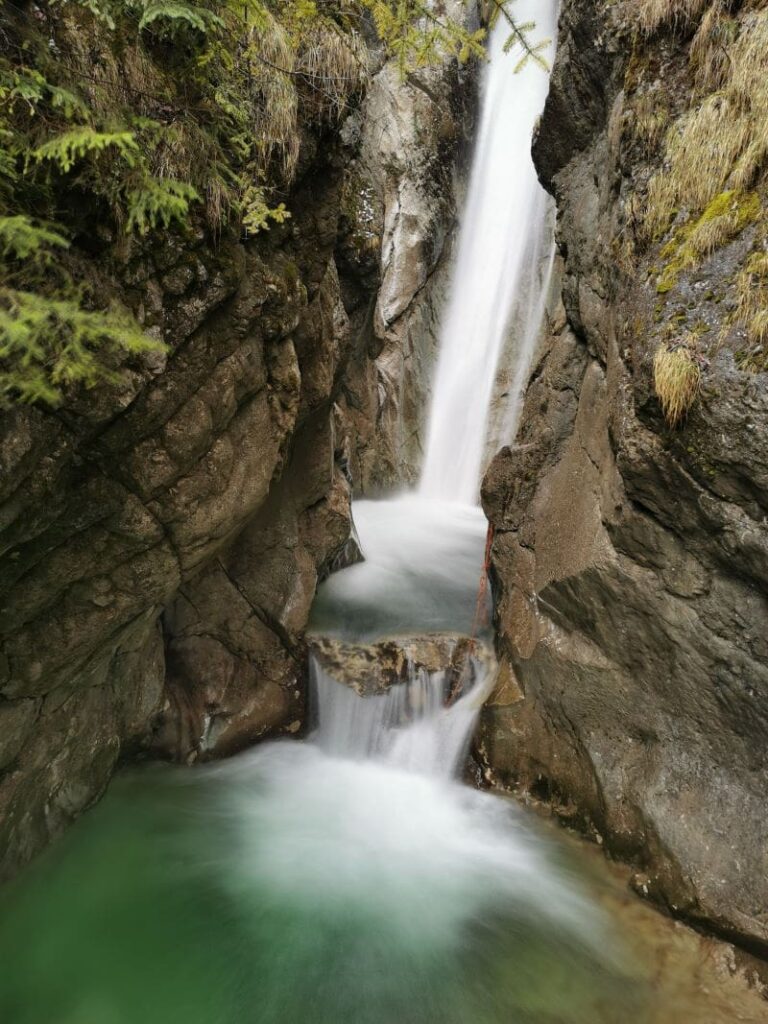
(707, 147)
(121, 118)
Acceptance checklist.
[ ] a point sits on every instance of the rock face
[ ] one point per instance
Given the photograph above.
(630, 560)
(373, 668)
(162, 539)
(132, 521)
(399, 220)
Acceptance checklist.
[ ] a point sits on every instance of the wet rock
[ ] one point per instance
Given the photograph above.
(400, 215)
(629, 561)
(374, 668)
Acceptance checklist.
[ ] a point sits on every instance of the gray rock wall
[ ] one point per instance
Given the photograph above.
(630, 559)
(161, 540)
(166, 486)
(401, 220)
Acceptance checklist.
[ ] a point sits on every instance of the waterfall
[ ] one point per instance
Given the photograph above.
(415, 725)
(504, 219)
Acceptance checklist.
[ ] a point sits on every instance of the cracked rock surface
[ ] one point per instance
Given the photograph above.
(630, 561)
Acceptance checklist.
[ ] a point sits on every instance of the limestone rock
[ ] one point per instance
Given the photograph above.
(400, 217)
(629, 561)
(374, 668)
(161, 539)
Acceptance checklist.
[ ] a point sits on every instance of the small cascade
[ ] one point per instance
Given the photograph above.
(503, 222)
(422, 725)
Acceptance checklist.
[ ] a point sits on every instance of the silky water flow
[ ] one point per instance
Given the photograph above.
(352, 878)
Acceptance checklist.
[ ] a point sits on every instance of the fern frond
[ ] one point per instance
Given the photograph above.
(166, 10)
(22, 239)
(46, 344)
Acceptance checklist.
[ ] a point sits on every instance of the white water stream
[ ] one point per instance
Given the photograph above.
(424, 551)
(502, 228)
(352, 878)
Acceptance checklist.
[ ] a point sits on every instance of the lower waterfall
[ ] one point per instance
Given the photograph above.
(350, 878)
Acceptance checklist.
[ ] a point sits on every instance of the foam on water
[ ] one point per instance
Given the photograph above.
(423, 561)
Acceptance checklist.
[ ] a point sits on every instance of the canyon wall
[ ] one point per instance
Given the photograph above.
(630, 558)
(162, 537)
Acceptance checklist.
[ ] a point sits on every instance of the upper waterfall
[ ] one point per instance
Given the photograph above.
(503, 220)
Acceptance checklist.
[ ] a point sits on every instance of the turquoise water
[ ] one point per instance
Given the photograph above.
(292, 886)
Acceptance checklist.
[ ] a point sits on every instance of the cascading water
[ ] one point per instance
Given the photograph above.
(424, 551)
(525, 328)
(350, 879)
(503, 223)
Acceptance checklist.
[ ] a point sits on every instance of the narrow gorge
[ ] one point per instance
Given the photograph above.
(383, 512)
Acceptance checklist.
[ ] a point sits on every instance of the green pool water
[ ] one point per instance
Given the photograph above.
(225, 897)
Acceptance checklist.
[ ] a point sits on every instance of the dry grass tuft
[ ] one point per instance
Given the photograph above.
(274, 96)
(676, 379)
(650, 120)
(652, 14)
(722, 144)
(709, 50)
(315, 75)
(752, 311)
(335, 66)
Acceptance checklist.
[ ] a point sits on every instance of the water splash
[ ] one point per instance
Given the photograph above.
(367, 818)
(421, 725)
(504, 216)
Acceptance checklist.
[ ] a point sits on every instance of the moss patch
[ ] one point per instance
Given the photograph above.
(723, 219)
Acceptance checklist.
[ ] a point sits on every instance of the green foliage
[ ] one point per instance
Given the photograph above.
(21, 239)
(47, 339)
(519, 35)
(95, 7)
(725, 217)
(415, 36)
(165, 11)
(158, 202)
(66, 149)
(127, 117)
(257, 214)
(47, 343)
